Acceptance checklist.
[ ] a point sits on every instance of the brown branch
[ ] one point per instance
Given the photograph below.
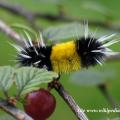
(113, 57)
(32, 16)
(29, 16)
(68, 99)
(13, 111)
(11, 33)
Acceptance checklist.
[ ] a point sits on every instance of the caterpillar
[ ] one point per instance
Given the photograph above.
(68, 56)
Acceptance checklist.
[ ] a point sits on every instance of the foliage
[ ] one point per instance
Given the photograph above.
(92, 77)
(29, 79)
(26, 78)
(6, 78)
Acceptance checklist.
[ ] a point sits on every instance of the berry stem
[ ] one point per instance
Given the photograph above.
(13, 111)
(68, 99)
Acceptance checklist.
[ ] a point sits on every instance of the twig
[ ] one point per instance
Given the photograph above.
(12, 110)
(68, 99)
(108, 96)
(29, 16)
(10, 33)
(32, 16)
(113, 57)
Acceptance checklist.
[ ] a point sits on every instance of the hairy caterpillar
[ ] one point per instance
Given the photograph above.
(66, 57)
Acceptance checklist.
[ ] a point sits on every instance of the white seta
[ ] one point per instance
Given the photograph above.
(105, 43)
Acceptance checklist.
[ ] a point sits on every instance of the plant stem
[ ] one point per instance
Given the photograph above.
(12, 34)
(68, 99)
(108, 96)
(13, 111)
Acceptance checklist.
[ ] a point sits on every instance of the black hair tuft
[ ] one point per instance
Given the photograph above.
(85, 48)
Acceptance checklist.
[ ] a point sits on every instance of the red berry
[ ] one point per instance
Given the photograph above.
(39, 104)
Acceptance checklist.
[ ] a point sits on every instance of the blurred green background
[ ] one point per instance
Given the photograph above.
(87, 96)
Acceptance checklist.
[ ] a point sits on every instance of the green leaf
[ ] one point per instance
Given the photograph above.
(92, 77)
(29, 78)
(6, 78)
(65, 31)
